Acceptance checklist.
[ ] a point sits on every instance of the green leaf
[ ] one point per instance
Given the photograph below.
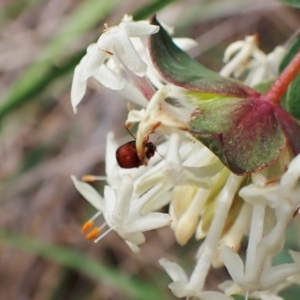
(292, 51)
(246, 134)
(294, 3)
(179, 68)
(292, 100)
(34, 88)
(235, 122)
(151, 8)
(134, 288)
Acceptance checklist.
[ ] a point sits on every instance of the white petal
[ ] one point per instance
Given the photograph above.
(149, 222)
(267, 296)
(129, 55)
(185, 43)
(173, 157)
(110, 200)
(78, 88)
(111, 166)
(135, 238)
(232, 49)
(108, 78)
(130, 92)
(269, 195)
(133, 247)
(290, 178)
(138, 29)
(180, 289)
(294, 279)
(277, 274)
(107, 40)
(89, 193)
(233, 263)
(175, 272)
(230, 288)
(241, 58)
(214, 296)
(135, 116)
(124, 195)
(154, 199)
(93, 62)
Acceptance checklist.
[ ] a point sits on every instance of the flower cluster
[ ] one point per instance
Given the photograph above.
(205, 199)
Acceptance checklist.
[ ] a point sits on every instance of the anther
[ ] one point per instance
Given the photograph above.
(93, 234)
(92, 178)
(86, 226)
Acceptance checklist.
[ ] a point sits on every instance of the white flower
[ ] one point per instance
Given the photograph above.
(121, 212)
(284, 198)
(181, 287)
(231, 287)
(259, 276)
(156, 117)
(243, 56)
(101, 73)
(202, 194)
(114, 44)
(275, 193)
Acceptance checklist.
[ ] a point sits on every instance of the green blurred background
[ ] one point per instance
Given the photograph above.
(43, 253)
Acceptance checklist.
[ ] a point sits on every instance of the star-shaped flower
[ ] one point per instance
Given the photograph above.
(181, 287)
(112, 50)
(121, 211)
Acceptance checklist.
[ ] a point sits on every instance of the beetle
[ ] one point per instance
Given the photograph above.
(127, 156)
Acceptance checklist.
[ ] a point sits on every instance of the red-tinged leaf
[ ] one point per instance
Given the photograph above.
(177, 67)
(235, 122)
(291, 128)
(247, 135)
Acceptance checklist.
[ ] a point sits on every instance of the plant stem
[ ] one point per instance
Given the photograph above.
(283, 81)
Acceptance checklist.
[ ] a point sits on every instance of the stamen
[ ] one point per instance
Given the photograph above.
(92, 178)
(89, 224)
(95, 216)
(86, 226)
(102, 235)
(93, 234)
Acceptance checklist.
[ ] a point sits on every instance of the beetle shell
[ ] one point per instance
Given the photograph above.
(127, 156)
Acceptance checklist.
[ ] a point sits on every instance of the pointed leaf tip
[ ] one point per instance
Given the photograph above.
(177, 67)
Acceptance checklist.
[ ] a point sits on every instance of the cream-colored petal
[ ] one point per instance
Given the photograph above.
(89, 193)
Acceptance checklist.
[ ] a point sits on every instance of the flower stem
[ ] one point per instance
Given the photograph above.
(283, 81)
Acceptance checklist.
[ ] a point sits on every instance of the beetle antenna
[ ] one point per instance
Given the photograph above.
(128, 130)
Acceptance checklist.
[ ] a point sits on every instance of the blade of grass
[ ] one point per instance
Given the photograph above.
(35, 88)
(151, 9)
(14, 8)
(87, 15)
(134, 288)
